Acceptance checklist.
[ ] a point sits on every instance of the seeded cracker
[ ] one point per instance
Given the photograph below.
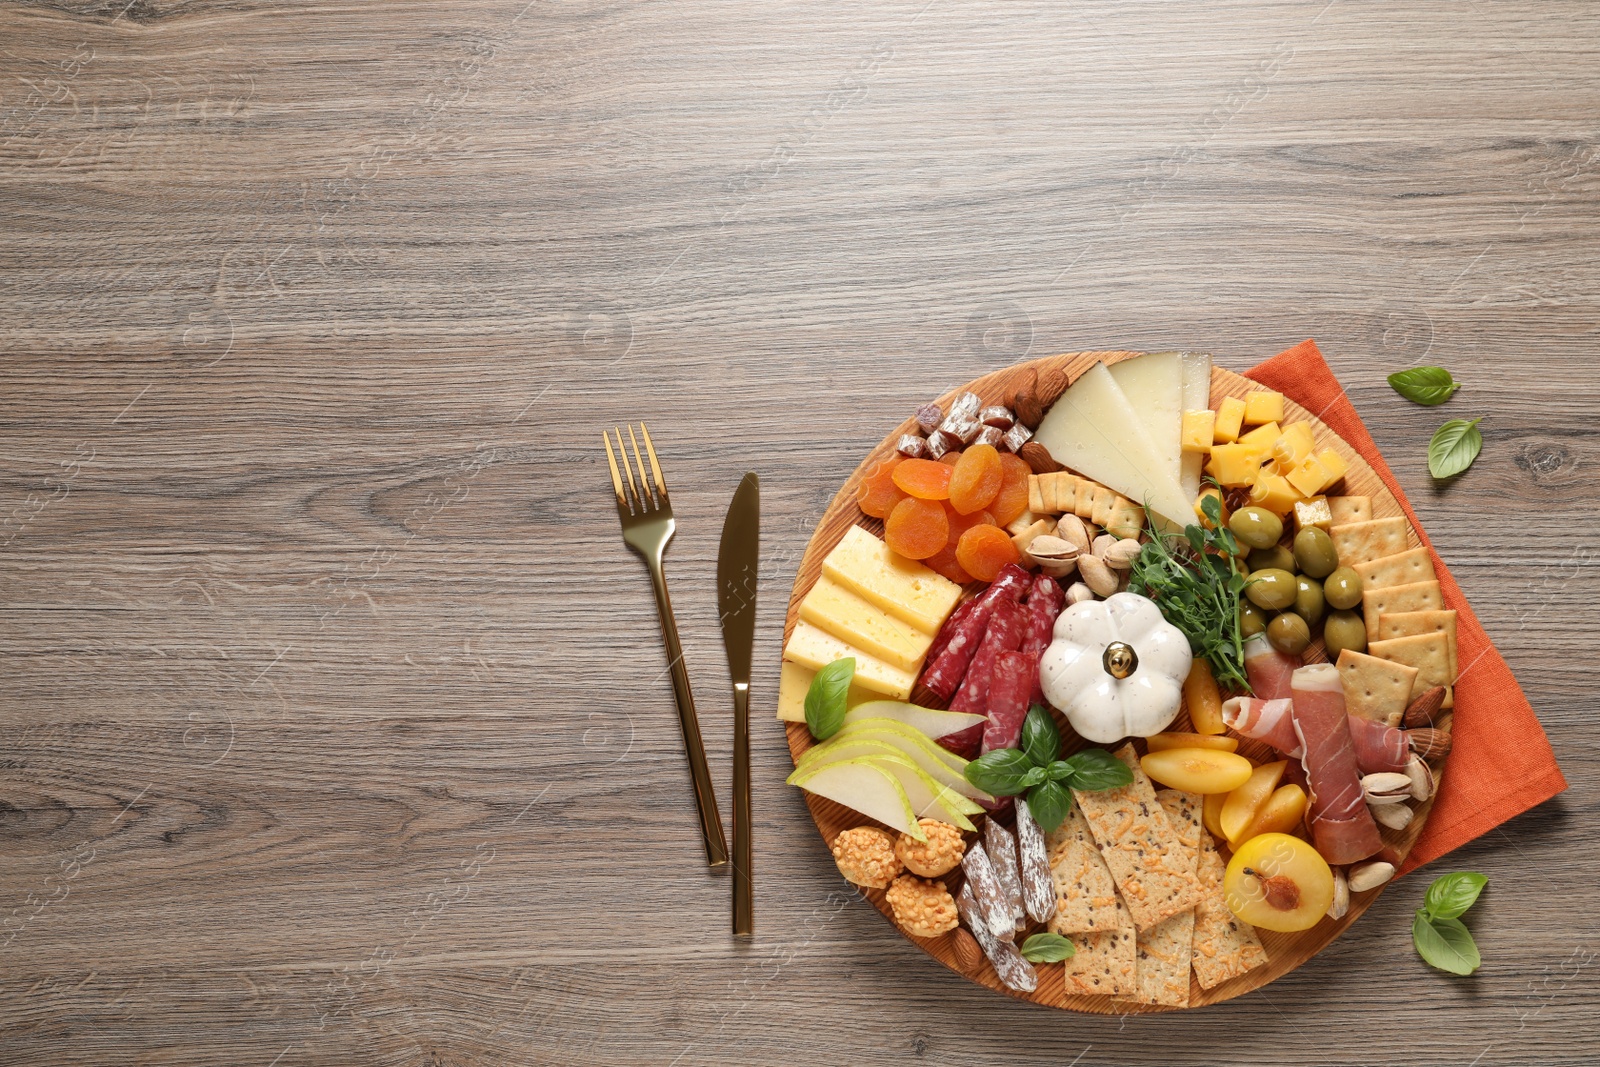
(1104, 964)
(1225, 946)
(1086, 896)
(1164, 950)
(1140, 847)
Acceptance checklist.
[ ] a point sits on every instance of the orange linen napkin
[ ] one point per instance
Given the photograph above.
(1500, 762)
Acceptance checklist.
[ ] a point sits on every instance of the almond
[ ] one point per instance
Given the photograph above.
(1429, 744)
(1052, 383)
(968, 954)
(1026, 400)
(1425, 709)
(1038, 458)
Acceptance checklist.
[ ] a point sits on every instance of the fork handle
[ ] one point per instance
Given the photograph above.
(704, 796)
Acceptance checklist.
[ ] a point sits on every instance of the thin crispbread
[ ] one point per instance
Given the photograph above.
(1403, 568)
(1086, 895)
(1374, 688)
(1416, 596)
(1362, 542)
(1347, 509)
(1165, 948)
(1103, 964)
(1072, 828)
(1411, 623)
(1140, 846)
(1225, 946)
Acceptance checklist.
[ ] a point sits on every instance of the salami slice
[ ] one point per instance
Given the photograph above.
(1015, 675)
(1002, 849)
(947, 667)
(1003, 635)
(1033, 866)
(1045, 601)
(991, 897)
(1014, 971)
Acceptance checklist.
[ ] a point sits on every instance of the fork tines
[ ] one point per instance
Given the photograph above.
(636, 499)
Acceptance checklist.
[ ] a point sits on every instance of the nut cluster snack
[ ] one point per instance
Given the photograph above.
(866, 856)
(935, 856)
(922, 908)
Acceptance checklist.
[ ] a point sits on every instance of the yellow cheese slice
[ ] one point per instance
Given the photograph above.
(836, 610)
(812, 648)
(794, 681)
(1153, 384)
(904, 588)
(1196, 397)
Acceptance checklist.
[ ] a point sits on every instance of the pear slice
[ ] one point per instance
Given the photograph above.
(930, 722)
(927, 798)
(869, 789)
(914, 739)
(875, 742)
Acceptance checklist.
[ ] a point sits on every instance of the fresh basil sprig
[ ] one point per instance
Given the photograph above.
(1048, 948)
(1033, 769)
(825, 707)
(1442, 939)
(1453, 448)
(1428, 386)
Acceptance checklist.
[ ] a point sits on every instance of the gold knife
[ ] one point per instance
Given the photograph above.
(737, 564)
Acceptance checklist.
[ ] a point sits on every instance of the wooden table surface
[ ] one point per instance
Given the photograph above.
(335, 725)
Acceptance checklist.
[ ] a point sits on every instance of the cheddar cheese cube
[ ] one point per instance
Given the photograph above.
(1309, 477)
(1235, 464)
(1230, 417)
(1275, 493)
(1293, 445)
(1313, 512)
(1198, 428)
(1262, 437)
(1334, 464)
(1263, 407)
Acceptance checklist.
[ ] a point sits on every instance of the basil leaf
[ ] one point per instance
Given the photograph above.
(1049, 803)
(1047, 948)
(1095, 769)
(825, 699)
(1061, 771)
(1445, 944)
(1453, 448)
(1036, 775)
(1428, 386)
(1041, 741)
(1452, 894)
(1000, 772)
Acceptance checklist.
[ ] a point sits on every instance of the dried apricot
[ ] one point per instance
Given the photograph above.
(984, 550)
(1012, 499)
(960, 524)
(878, 494)
(976, 479)
(924, 479)
(917, 528)
(944, 562)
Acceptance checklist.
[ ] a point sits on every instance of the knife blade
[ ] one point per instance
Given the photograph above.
(738, 564)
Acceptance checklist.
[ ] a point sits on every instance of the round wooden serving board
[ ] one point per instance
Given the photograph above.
(1286, 951)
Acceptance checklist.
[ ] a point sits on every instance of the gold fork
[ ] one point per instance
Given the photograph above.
(647, 526)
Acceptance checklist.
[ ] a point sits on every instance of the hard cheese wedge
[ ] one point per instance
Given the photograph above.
(904, 588)
(794, 681)
(1153, 384)
(1196, 397)
(814, 648)
(838, 611)
(1095, 431)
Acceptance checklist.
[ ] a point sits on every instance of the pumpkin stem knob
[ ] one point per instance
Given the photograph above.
(1120, 659)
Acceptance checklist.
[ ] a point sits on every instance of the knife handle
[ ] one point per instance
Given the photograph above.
(743, 887)
(704, 796)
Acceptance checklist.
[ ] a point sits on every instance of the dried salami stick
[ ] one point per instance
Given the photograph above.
(949, 666)
(991, 898)
(1038, 887)
(1002, 849)
(1014, 971)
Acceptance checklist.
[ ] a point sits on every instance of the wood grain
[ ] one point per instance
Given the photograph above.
(281, 270)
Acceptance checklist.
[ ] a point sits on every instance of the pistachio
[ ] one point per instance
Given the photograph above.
(1055, 556)
(1102, 544)
(1102, 579)
(1341, 895)
(1394, 816)
(1077, 593)
(1421, 775)
(1121, 554)
(1429, 744)
(1370, 875)
(1071, 528)
(1386, 787)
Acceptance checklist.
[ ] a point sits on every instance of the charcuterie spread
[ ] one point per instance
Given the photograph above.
(1118, 684)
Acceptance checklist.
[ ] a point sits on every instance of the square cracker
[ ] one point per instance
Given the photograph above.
(1428, 653)
(1402, 568)
(1104, 963)
(1412, 623)
(1360, 542)
(1036, 501)
(1225, 946)
(1374, 688)
(1417, 596)
(1086, 895)
(1140, 846)
(1164, 949)
(1347, 509)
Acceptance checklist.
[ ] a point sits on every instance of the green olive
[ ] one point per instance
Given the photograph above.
(1313, 550)
(1275, 558)
(1251, 620)
(1308, 600)
(1256, 527)
(1343, 589)
(1289, 633)
(1272, 588)
(1344, 629)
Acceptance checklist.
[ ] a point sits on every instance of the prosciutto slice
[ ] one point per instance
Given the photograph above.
(1379, 746)
(1342, 829)
(1269, 670)
(1271, 721)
